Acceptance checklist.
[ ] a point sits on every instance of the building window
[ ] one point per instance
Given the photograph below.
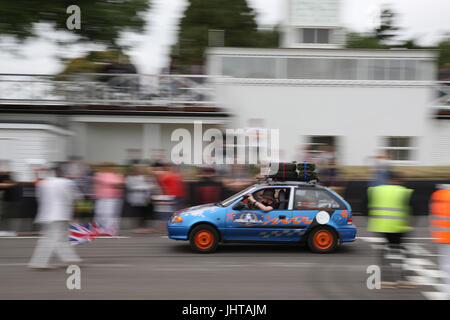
(400, 148)
(323, 36)
(311, 35)
(327, 68)
(321, 148)
(395, 70)
(310, 68)
(346, 69)
(251, 67)
(378, 69)
(410, 70)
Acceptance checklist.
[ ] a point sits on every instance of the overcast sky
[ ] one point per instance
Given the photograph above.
(426, 21)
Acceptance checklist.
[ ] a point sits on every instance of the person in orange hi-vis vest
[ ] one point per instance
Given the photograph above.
(440, 229)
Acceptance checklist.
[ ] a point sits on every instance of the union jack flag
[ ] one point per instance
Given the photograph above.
(82, 233)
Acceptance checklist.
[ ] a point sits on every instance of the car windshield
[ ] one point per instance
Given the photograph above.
(233, 198)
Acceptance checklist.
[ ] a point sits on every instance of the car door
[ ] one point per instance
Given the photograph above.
(308, 202)
(257, 225)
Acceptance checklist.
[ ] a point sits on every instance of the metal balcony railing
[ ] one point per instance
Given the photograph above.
(106, 89)
(443, 92)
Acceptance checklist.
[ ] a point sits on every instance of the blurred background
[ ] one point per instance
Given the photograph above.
(358, 88)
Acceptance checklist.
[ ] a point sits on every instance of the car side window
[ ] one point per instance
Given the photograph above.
(309, 199)
(243, 204)
(281, 196)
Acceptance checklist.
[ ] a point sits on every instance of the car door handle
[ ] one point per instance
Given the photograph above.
(282, 217)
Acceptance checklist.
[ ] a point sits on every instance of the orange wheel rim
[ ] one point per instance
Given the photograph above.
(323, 240)
(204, 239)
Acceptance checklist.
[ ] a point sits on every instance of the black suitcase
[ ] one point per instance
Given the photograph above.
(281, 167)
(284, 176)
(307, 176)
(306, 166)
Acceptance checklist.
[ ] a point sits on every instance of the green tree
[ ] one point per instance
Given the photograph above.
(361, 41)
(387, 29)
(444, 52)
(233, 17)
(96, 62)
(102, 21)
(380, 36)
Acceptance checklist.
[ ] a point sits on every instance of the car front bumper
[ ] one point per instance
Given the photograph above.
(178, 232)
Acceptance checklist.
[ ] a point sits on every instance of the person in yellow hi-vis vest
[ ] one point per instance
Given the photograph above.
(389, 215)
(440, 230)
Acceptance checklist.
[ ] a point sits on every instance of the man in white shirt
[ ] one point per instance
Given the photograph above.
(55, 209)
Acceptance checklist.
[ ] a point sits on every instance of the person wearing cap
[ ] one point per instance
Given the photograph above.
(268, 202)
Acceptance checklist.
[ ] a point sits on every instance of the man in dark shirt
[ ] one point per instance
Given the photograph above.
(268, 202)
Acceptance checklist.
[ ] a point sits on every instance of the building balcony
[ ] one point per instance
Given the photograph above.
(96, 89)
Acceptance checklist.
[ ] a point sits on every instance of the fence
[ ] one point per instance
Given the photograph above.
(106, 89)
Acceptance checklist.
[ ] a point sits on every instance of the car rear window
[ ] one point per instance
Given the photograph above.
(308, 199)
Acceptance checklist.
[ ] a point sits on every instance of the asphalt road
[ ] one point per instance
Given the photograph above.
(155, 267)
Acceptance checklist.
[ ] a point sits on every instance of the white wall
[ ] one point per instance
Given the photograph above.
(438, 142)
(21, 142)
(359, 114)
(107, 138)
(110, 141)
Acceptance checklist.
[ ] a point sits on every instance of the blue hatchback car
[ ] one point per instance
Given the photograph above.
(306, 212)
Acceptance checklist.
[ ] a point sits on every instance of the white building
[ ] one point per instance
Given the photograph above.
(112, 125)
(360, 101)
(312, 90)
(312, 23)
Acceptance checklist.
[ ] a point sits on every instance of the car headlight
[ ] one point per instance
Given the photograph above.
(177, 219)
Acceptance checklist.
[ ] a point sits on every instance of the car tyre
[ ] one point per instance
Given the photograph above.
(323, 240)
(204, 238)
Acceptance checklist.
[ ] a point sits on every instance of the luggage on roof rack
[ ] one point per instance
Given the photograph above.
(274, 181)
(303, 172)
(282, 175)
(307, 176)
(306, 166)
(282, 170)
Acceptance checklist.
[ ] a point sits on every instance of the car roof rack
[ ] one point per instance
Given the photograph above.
(296, 182)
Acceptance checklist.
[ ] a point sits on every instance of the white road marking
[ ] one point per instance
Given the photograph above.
(289, 264)
(372, 239)
(424, 281)
(416, 249)
(20, 237)
(420, 262)
(432, 273)
(7, 234)
(38, 237)
(107, 265)
(381, 239)
(436, 295)
(394, 256)
(424, 277)
(95, 265)
(113, 237)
